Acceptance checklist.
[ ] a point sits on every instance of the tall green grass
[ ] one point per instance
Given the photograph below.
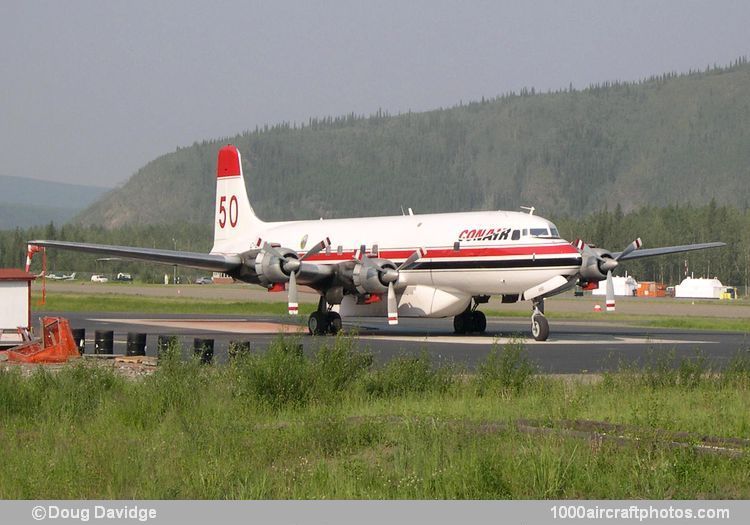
(278, 423)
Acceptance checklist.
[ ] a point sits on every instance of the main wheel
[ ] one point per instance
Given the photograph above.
(461, 323)
(539, 327)
(317, 323)
(334, 322)
(479, 321)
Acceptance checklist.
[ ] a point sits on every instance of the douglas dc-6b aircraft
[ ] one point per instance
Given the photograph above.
(432, 265)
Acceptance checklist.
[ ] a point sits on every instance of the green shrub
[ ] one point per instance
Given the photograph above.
(691, 372)
(406, 375)
(509, 370)
(737, 372)
(276, 379)
(335, 368)
(659, 371)
(177, 384)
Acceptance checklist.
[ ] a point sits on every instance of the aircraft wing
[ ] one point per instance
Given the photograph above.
(203, 261)
(652, 252)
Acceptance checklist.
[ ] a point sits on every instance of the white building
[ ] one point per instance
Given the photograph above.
(699, 288)
(623, 286)
(15, 305)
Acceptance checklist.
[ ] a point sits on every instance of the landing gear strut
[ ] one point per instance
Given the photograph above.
(539, 324)
(323, 321)
(472, 320)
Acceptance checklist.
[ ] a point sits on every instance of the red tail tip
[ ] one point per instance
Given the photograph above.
(228, 164)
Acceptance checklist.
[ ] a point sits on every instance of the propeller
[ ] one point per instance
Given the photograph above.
(390, 276)
(607, 264)
(292, 265)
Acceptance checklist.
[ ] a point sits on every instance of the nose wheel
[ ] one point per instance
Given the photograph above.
(539, 324)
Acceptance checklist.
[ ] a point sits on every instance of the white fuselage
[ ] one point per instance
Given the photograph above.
(467, 254)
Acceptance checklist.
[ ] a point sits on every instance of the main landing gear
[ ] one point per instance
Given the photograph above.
(539, 324)
(323, 321)
(470, 321)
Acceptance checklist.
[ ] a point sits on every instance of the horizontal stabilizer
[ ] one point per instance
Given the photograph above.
(202, 261)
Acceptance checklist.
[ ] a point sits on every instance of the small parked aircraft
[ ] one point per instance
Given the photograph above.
(411, 265)
(62, 276)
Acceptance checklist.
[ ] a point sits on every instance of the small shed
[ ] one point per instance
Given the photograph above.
(15, 305)
(622, 286)
(699, 288)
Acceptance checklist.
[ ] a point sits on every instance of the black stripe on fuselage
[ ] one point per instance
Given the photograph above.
(505, 264)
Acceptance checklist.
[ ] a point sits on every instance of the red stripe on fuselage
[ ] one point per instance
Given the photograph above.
(465, 253)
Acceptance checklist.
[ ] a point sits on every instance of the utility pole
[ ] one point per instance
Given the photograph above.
(174, 268)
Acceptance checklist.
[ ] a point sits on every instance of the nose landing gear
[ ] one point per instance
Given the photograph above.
(539, 324)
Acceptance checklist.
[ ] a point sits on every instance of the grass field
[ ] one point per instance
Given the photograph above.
(277, 424)
(68, 302)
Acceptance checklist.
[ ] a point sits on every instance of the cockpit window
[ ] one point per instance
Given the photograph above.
(554, 231)
(539, 232)
(515, 235)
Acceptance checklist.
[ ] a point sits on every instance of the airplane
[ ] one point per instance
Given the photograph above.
(412, 265)
(62, 276)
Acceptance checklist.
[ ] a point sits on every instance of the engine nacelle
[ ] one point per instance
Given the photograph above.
(367, 278)
(591, 267)
(269, 268)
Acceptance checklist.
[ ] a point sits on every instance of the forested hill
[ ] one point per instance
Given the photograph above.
(28, 202)
(671, 139)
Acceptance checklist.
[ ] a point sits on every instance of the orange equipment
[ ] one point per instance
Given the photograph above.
(651, 289)
(57, 344)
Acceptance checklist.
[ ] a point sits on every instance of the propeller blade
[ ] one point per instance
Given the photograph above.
(421, 252)
(610, 293)
(293, 305)
(322, 245)
(585, 249)
(392, 305)
(631, 247)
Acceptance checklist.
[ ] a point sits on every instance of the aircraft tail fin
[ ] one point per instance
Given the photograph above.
(235, 222)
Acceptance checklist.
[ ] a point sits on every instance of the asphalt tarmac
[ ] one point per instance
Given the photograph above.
(573, 347)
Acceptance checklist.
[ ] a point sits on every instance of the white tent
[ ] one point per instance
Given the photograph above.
(623, 286)
(699, 288)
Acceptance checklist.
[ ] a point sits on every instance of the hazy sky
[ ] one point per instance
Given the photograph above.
(91, 91)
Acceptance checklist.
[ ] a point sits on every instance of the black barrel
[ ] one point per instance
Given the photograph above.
(166, 344)
(136, 344)
(204, 349)
(104, 342)
(238, 349)
(79, 336)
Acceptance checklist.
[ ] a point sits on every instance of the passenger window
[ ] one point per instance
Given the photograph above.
(515, 235)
